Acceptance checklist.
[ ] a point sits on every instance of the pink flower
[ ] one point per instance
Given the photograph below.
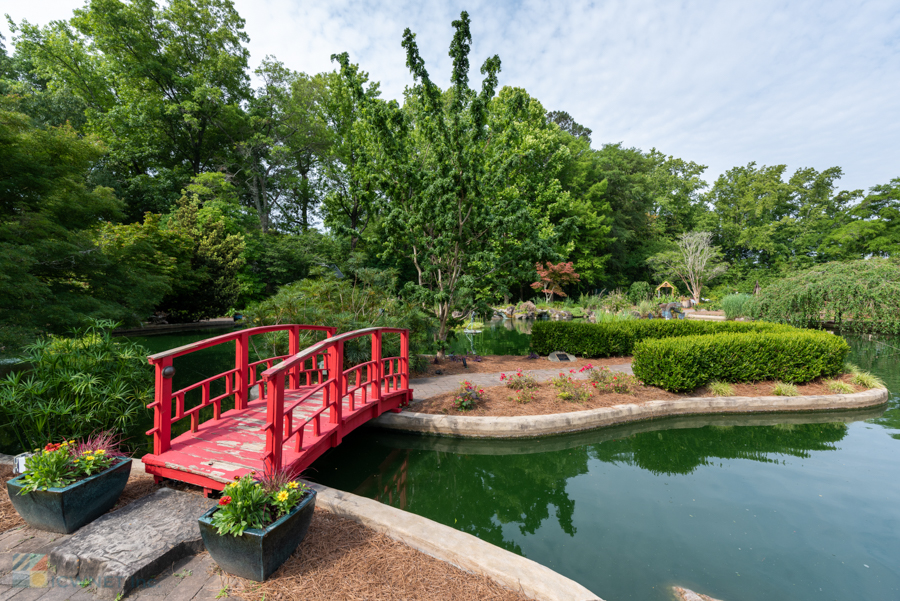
(502, 376)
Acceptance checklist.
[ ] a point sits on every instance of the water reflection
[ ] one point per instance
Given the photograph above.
(491, 484)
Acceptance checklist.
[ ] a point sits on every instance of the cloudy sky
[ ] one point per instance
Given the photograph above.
(807, 84)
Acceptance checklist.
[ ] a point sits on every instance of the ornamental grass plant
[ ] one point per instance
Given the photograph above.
(251, 502)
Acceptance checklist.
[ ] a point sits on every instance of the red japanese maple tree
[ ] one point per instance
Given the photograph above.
(552, 277)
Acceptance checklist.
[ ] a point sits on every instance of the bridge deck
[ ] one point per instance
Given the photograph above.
(232, 446)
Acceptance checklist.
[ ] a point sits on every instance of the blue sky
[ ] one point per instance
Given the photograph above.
(807, 84)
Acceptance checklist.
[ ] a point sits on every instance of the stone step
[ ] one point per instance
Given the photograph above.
(123, 550)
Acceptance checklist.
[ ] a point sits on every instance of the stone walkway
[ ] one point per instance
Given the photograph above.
(424, 388)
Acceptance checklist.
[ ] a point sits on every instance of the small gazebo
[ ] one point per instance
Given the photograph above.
(666, 284)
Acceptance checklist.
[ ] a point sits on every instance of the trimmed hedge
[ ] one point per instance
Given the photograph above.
(610, 339)
(679, 364)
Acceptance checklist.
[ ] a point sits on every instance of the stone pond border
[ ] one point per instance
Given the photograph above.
(529, 426)
(447, 544)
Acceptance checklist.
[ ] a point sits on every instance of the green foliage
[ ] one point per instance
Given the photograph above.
(686, 363)
(615, 301)
(735, 305)
(467, 396)
(570, 389)
(840, 386)
(57, 267)
(48, 468)
(638, 292)
(869, 380)
(783, 389)
(618, 338)
(721, 388)
(59, 464)
(244, 504)
(209, 219)
(519, 381)
(347, 306)
(77, 386)
(858, 296)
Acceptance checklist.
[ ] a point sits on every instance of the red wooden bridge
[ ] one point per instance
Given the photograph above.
(308, 401)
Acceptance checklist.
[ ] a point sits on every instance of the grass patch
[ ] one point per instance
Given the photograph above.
(721, 388)
(785, 389)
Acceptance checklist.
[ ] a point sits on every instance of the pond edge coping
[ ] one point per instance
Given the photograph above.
(529, 426)
(465, 551)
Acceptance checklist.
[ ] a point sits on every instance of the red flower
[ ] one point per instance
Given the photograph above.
(502, 376)
(225, 500)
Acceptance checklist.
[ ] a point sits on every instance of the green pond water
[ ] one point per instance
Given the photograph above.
(742, 508)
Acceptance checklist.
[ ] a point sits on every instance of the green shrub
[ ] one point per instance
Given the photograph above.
(735, 305)
(858, 296)
(639, 291)
(617, 338)
(76, 387)
(692, 361)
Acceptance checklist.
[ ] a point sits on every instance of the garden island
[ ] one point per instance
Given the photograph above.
(270, 334)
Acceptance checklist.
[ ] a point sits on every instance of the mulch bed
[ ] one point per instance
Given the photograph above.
(498, 399)
(342, 559)
(508, 363)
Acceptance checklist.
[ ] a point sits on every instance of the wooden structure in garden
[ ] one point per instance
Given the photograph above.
(308, 400)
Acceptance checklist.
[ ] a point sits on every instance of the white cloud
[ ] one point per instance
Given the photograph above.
(809, 84)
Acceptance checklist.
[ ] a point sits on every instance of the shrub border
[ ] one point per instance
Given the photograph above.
(532, 426)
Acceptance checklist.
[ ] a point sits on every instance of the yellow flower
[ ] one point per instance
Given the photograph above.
(100, 452)
(292, 485)
(282, 496)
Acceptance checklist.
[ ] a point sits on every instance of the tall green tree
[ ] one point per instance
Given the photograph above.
(156, 82)
(446, 212)
(56, 269)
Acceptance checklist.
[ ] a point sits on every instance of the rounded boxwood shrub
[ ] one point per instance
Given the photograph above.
(686, 363)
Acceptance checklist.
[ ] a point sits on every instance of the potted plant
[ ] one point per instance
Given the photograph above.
(70, 484)
(257, 524)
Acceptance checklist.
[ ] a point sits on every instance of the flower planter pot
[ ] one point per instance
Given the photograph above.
(65, 510)
(257, 553)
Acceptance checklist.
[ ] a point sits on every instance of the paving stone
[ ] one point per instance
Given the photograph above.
(121, 550)
(190, 584)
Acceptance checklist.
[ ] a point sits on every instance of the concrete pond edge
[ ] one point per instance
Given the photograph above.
(530, 426)
(449, 545)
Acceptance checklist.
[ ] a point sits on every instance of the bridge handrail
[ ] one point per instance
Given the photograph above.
(238, 379)
(335, 387)
(203, 344)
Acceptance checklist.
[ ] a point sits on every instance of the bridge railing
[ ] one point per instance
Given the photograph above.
(238, 381)
(365, 383)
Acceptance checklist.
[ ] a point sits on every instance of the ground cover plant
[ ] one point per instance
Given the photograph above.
(619, 338)
(686, 363)
(736, 305)
(467, 396)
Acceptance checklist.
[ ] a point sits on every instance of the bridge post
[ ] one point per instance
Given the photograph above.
(378, 374)
(404, 358)
(275, 421)
(241, 363)
(162, 417)
(338, 389)
(293, 349)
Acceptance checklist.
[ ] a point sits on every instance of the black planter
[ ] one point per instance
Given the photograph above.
(257, 553)
(65, 510)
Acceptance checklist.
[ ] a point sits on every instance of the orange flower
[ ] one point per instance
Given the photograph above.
(225, 500)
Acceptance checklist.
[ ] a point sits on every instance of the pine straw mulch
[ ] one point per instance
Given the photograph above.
(342, 559)
(507, 363)
(498, 399)
(339, 559)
